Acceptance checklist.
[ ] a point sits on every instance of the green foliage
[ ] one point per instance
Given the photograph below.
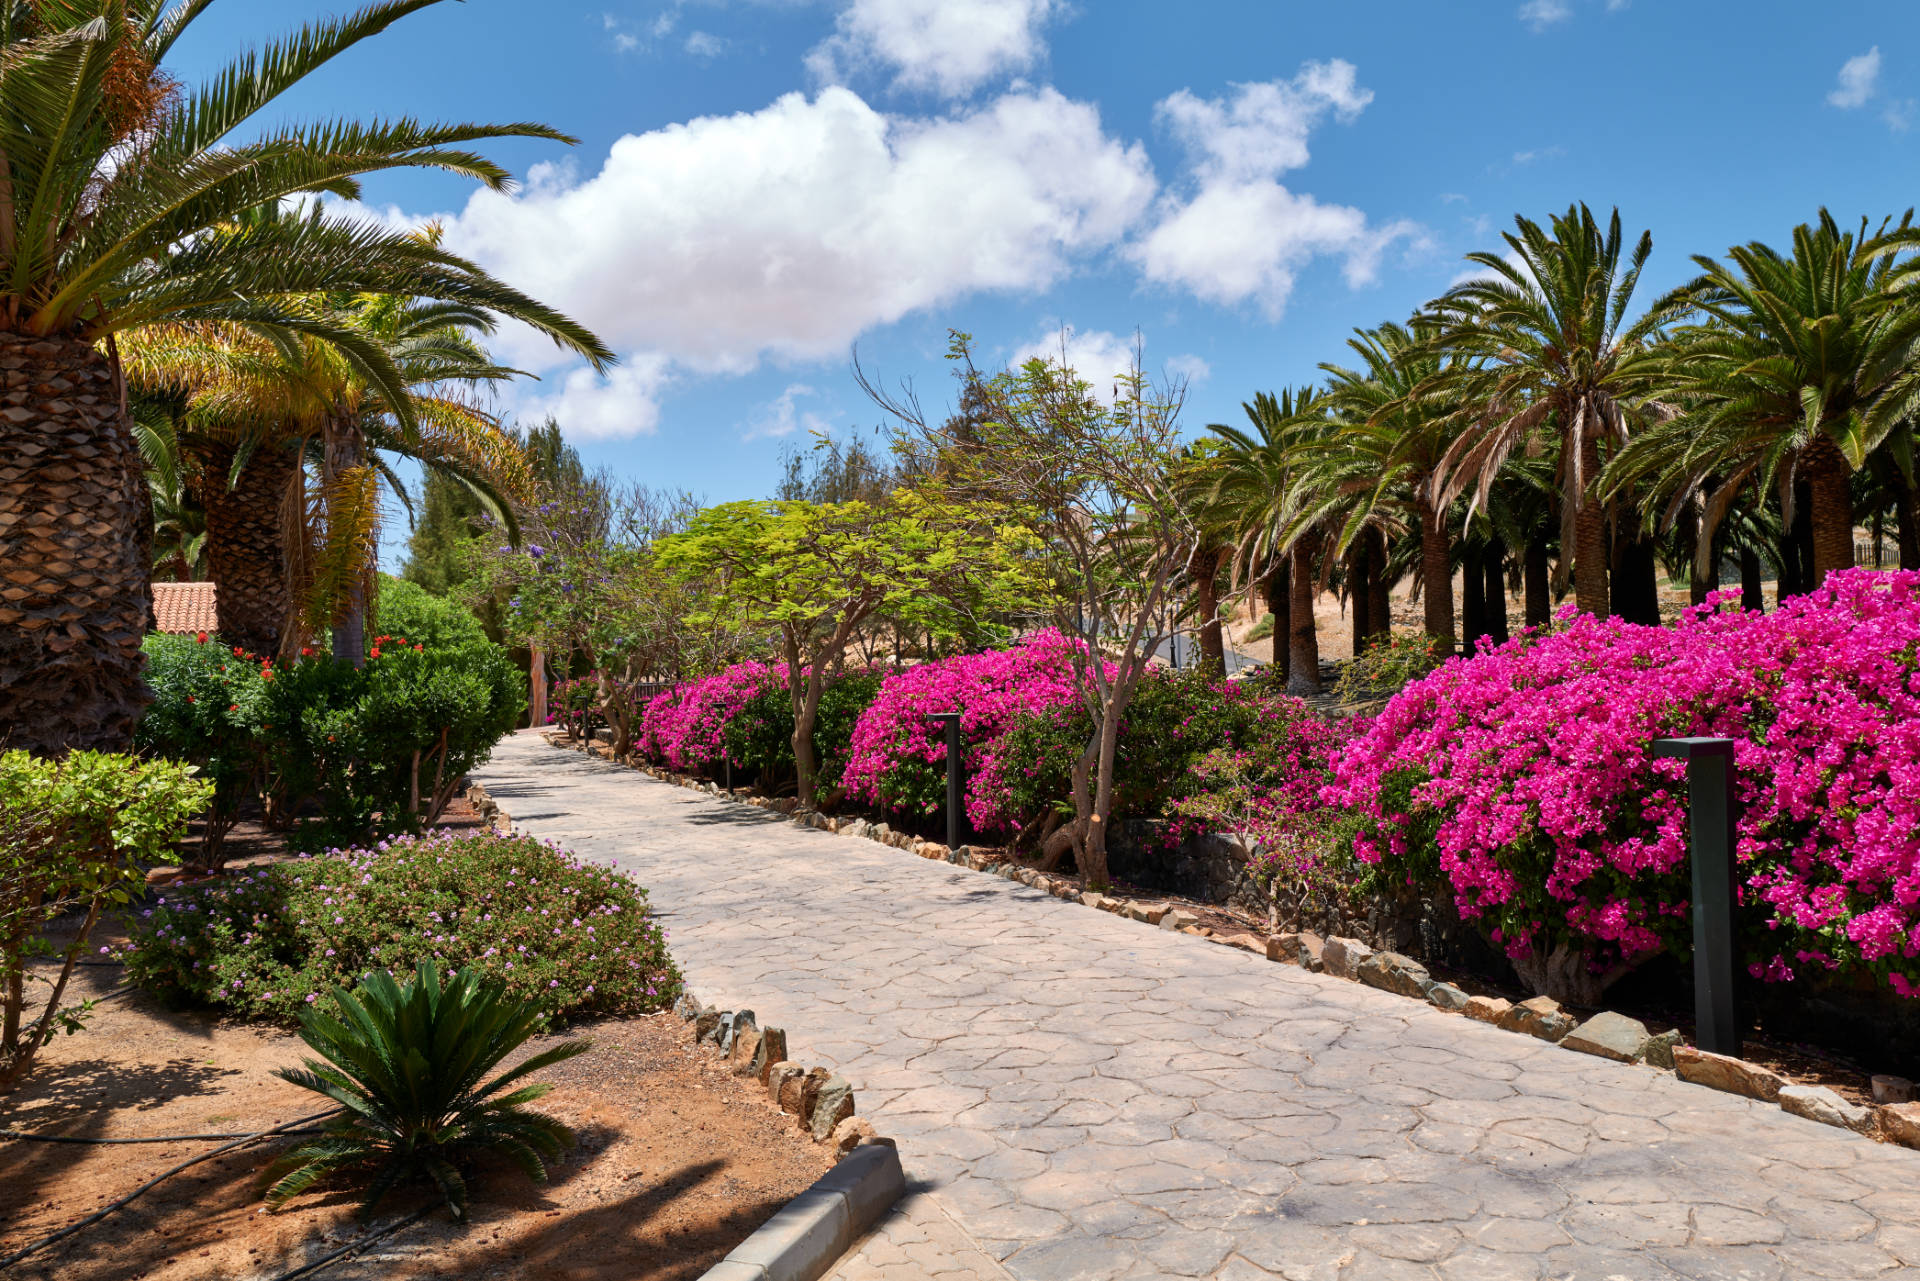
(76, 834)
(409, 1065)
(447, 522)
(760, 735)
(573, 939)
(410, 610)
(1388, 666)
(208, 706)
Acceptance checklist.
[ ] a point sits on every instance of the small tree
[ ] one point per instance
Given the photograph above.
(813, 573)
(1096, 483)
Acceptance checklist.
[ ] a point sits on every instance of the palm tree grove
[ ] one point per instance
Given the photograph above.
(909, 638)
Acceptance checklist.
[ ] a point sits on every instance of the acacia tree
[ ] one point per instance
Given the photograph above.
(1097, 483)
(811, 574)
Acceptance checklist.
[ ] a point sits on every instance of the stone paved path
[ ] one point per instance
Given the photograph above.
(1081, 1096)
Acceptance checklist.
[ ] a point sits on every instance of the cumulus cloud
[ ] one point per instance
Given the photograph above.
(790, 230)
(1101, 358)
(1240, 234)
(946, 47)
(625, 402)
(782, 417)
(704, 44)
(1859, 80)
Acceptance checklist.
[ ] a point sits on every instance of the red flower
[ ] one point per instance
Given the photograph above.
(201, 637)
(419, 649)
(238, 652)
(233, 707)
(376, 651)
(189, 698)
(306, 651)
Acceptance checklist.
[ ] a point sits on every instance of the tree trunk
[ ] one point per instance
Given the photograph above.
(1361, 572)
(1538, 573)
(1379, 603)
(1907, 509)
(536, 687)
(1303, 646)
(345, 449)
(1280, 608)
(1204, 566)
(1590, 539)
(1436, 576)
(244, 550)
(1473, 601)
(1752, 594)
(1796, 546)
(1831, 509)
(1494, 565)
(1699, 582)
(1636, 586)
(76, 527)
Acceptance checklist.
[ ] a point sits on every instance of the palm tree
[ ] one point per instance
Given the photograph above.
(1396, 417)
(1802, 367)
(1547, 336)
(115, 177)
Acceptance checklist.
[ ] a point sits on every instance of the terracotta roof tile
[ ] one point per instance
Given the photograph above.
(184, 608)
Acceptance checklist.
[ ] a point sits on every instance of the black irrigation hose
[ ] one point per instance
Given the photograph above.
(347, 1251)
(157, 1138)
(154, 1182)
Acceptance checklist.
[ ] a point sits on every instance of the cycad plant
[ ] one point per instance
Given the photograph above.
(407, 1063)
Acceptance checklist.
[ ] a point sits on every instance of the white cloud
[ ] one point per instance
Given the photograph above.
(1242, 235)
(1101, 358)
(948, 47)
(1541, 14)
(790, 230)
(704, 44)
(1190, 368)
(781, 417)
(1539, 153)
(626, 402)
(1859, 80)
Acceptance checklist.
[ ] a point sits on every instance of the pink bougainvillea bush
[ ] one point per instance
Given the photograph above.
(898, 757)
(1522, 781)
(685, 727)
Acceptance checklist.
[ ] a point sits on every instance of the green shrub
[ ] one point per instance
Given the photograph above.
(408, 1064)
(409, 610)
(1387, 667)
(760, 735)
(76, 834)
(208, 707)
(574, 939)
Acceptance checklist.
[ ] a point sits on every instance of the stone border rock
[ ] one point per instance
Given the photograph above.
(1894, 1116)
(489, 809)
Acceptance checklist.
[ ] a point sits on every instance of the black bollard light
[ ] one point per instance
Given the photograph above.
(1710, 815)
(951, 722)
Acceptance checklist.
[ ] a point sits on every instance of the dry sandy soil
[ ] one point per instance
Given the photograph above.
(677, 1161)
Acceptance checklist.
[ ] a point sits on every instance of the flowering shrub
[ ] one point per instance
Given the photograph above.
(760, 735)
(1174, 721)
(685, 727)
(1522, 782)
(898, 757)
(574, 939)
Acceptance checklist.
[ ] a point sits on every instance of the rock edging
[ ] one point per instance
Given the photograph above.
(1894, 1118)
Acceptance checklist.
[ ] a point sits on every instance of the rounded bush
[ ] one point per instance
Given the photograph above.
(572, 938)
(685, 727)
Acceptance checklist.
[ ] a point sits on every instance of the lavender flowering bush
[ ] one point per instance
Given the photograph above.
(574, 939)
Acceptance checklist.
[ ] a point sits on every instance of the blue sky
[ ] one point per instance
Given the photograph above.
(760, 185)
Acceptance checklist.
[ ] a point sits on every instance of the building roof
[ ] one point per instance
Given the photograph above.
(184, 608)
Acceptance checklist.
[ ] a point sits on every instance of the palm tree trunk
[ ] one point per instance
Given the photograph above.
(1436, 576)
(346, 448)
(1494, 565)
(1590, 539)
(1280, 608)
(1473, 601)
(75, 535)
(1907, 509)
(1752, 593)
(1636, 583)
(1538, 574)
(1831, 508)
(1205, 568)
(244, 550)
(1379, 603)
(1303, 645)
(1361, 573)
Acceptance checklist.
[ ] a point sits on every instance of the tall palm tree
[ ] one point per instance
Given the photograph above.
(1803, 365)
(114, 178)
(1547, 333)
(1397, 415)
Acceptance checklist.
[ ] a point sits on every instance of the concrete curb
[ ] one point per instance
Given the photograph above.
(807, 1236)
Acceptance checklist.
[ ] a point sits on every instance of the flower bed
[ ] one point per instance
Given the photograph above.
(1522, 782)
(575, 939)
(686, 726)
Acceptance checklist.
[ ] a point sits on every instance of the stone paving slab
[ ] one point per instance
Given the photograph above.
(1089, 1097)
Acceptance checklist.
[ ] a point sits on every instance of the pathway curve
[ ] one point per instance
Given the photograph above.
(1085, 1096)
